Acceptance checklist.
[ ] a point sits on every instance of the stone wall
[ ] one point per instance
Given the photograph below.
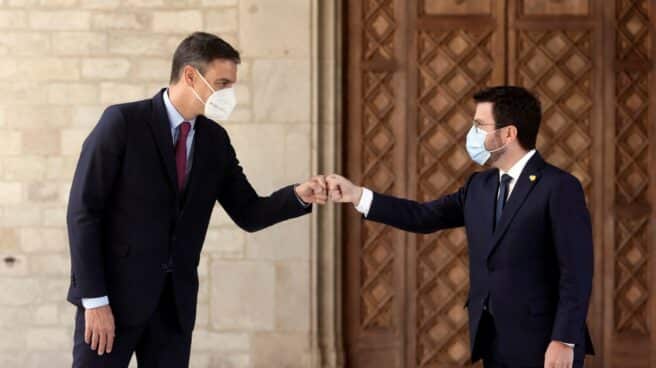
(61, 63)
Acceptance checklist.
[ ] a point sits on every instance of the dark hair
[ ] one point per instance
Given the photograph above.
(514, 106)
(199, 49)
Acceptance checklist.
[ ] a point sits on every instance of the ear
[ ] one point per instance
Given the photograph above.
(188, 75)
(511, 132)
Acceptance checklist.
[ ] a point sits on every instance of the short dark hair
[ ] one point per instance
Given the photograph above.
(514, 106)
(199, 49)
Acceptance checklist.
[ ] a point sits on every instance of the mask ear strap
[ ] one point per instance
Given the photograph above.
(197, 96)
(499, 148)
(205, 81)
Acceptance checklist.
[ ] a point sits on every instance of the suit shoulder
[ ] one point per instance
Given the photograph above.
(481, 175)
(131, 109)
(113, 117)
(215, 129)
(561, 178)
(116, 118)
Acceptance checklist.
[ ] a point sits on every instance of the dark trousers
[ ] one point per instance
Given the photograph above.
(161, 343)
(488, 344)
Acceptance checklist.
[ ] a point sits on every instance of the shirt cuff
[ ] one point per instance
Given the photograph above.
(90, 303)
(568, 344)
(302, 202)
(365, 202)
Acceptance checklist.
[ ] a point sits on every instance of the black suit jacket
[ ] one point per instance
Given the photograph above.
(535, 269)
(127, 222)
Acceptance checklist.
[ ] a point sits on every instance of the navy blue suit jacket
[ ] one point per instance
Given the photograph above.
(535, 268)
(128, 223)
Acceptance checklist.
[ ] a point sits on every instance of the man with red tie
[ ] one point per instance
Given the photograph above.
(147, 180)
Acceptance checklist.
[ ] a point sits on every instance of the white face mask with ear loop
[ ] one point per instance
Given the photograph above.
(476, 145)
(220, 104)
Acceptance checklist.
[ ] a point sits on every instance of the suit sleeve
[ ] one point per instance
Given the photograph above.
(572, 234)
(245, 207)
(97, 168)
(444, 213)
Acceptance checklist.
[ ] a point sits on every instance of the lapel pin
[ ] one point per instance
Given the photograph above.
(532, 178)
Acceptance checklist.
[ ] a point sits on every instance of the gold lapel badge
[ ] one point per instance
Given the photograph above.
(532, 178)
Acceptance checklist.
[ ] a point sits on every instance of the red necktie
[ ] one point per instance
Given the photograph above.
(181, 153)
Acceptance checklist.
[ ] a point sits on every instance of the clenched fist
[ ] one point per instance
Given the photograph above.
(342, 190)
(313, 190)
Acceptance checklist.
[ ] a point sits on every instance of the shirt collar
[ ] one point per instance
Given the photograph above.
(175, 118)
(516, 170)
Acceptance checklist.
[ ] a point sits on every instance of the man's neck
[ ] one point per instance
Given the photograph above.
(509, 159)
(178, 98)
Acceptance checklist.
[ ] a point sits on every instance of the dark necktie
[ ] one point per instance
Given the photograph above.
(181, 153)
(503, 196)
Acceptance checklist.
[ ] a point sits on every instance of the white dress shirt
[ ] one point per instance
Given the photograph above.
(515, 171)
(175, 119)
(364, 205)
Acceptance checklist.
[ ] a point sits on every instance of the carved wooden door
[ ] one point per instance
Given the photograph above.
(411, 69)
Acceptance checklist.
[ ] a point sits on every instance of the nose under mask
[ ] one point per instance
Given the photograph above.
(220, 104)
(476, 146)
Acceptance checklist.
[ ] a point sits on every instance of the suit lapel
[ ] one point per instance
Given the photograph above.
(491, 187)
(161, 129)
(525, 183)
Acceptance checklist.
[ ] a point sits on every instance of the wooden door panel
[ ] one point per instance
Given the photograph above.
(557, 65)
(630, 236)
(554, 50)
(375, 158)
(412, 69)
(452, 64)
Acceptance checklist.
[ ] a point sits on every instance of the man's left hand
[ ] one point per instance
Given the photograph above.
(559, 355)
(313, 190)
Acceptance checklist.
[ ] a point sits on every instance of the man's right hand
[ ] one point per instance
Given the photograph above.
(342, 190)
(99, 329)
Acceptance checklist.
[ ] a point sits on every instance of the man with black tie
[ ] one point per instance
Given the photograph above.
(529, 235)
(147, 180)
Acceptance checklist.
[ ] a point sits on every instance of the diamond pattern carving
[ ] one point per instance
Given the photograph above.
(379, 27)
(633, 30)
(631, 284)
(451, 63)
(377, 252)
(632, 141)
(452, 66)
(557, 66)
(631, 168)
